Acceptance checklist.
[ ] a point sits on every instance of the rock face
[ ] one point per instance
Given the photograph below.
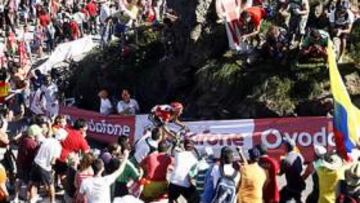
(211, 81)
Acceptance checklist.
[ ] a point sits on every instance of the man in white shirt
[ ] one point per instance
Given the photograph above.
(106, 107)
(41, 172)
(127, 106)
(97, 189)
(146, 145)
(38, 103)
(50, 91)
(104, 12)
(180, 179)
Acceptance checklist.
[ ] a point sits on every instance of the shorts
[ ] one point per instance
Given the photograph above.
(23, 175)
(60, 167)
(155, 189)
(39, 175)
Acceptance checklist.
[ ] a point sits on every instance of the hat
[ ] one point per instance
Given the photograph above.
(352, 175)
(34, 130)
(332, 162)
(61, 134)
(320, 150)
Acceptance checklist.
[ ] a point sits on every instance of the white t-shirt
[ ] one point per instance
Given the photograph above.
(133, 106)
(49, 150)
(228, 170)
(50, 93)
(38, 103)
(105, 106)
(79, 17)
(184, 161)
(104, 13)
(142, 148)
(97, 189)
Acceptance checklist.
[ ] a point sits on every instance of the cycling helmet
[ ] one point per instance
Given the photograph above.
(177, 107)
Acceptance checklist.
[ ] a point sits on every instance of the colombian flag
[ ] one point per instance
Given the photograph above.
(346, 115)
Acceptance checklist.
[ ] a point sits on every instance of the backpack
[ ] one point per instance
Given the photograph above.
(225, 191)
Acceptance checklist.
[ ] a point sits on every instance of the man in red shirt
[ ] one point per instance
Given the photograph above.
(75, 142)
(155, 167)
(250, 22)
(270, 191)
(75, 31)
(44, 18)
(93, 12)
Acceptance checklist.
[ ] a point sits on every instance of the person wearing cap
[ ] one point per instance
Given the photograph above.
(156, 166)
(128, 105)
(226, 167)
(253, 178)
(292, 166)
(26, 154)
(320, 152)
(179, 179)
(271, 189)
(350, 186)
(330, 172)
(42, 169)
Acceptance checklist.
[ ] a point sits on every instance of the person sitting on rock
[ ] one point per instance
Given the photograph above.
(314, 45)
(276, 43)
(250, 23)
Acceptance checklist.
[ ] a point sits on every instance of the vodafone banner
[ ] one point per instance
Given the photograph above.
(103, 128)
(304, 131)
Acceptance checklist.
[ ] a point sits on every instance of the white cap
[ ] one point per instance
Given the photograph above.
(320, 150)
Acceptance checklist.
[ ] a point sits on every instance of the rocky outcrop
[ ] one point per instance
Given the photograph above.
(211, 81)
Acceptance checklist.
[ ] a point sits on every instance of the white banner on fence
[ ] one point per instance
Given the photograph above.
(67, 51)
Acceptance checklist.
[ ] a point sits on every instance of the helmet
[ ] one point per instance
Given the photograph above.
(176, 106)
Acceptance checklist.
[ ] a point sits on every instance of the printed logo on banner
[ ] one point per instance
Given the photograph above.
(103, 128)
(305, 132)
(272, 138)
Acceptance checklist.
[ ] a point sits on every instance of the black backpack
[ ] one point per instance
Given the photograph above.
(225, 191)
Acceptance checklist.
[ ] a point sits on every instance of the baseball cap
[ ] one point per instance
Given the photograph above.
(34, 130)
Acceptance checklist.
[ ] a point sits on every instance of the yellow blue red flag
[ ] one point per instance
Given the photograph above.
(346, 115)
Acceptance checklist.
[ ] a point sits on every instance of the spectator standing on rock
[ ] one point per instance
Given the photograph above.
(127, 106)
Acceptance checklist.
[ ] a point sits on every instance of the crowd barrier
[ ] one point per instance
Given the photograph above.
(304, 131)
(66, 51)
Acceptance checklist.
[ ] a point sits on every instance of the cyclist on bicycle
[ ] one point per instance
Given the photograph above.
(161, 115)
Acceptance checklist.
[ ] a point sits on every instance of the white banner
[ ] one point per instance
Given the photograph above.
(66, 51)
